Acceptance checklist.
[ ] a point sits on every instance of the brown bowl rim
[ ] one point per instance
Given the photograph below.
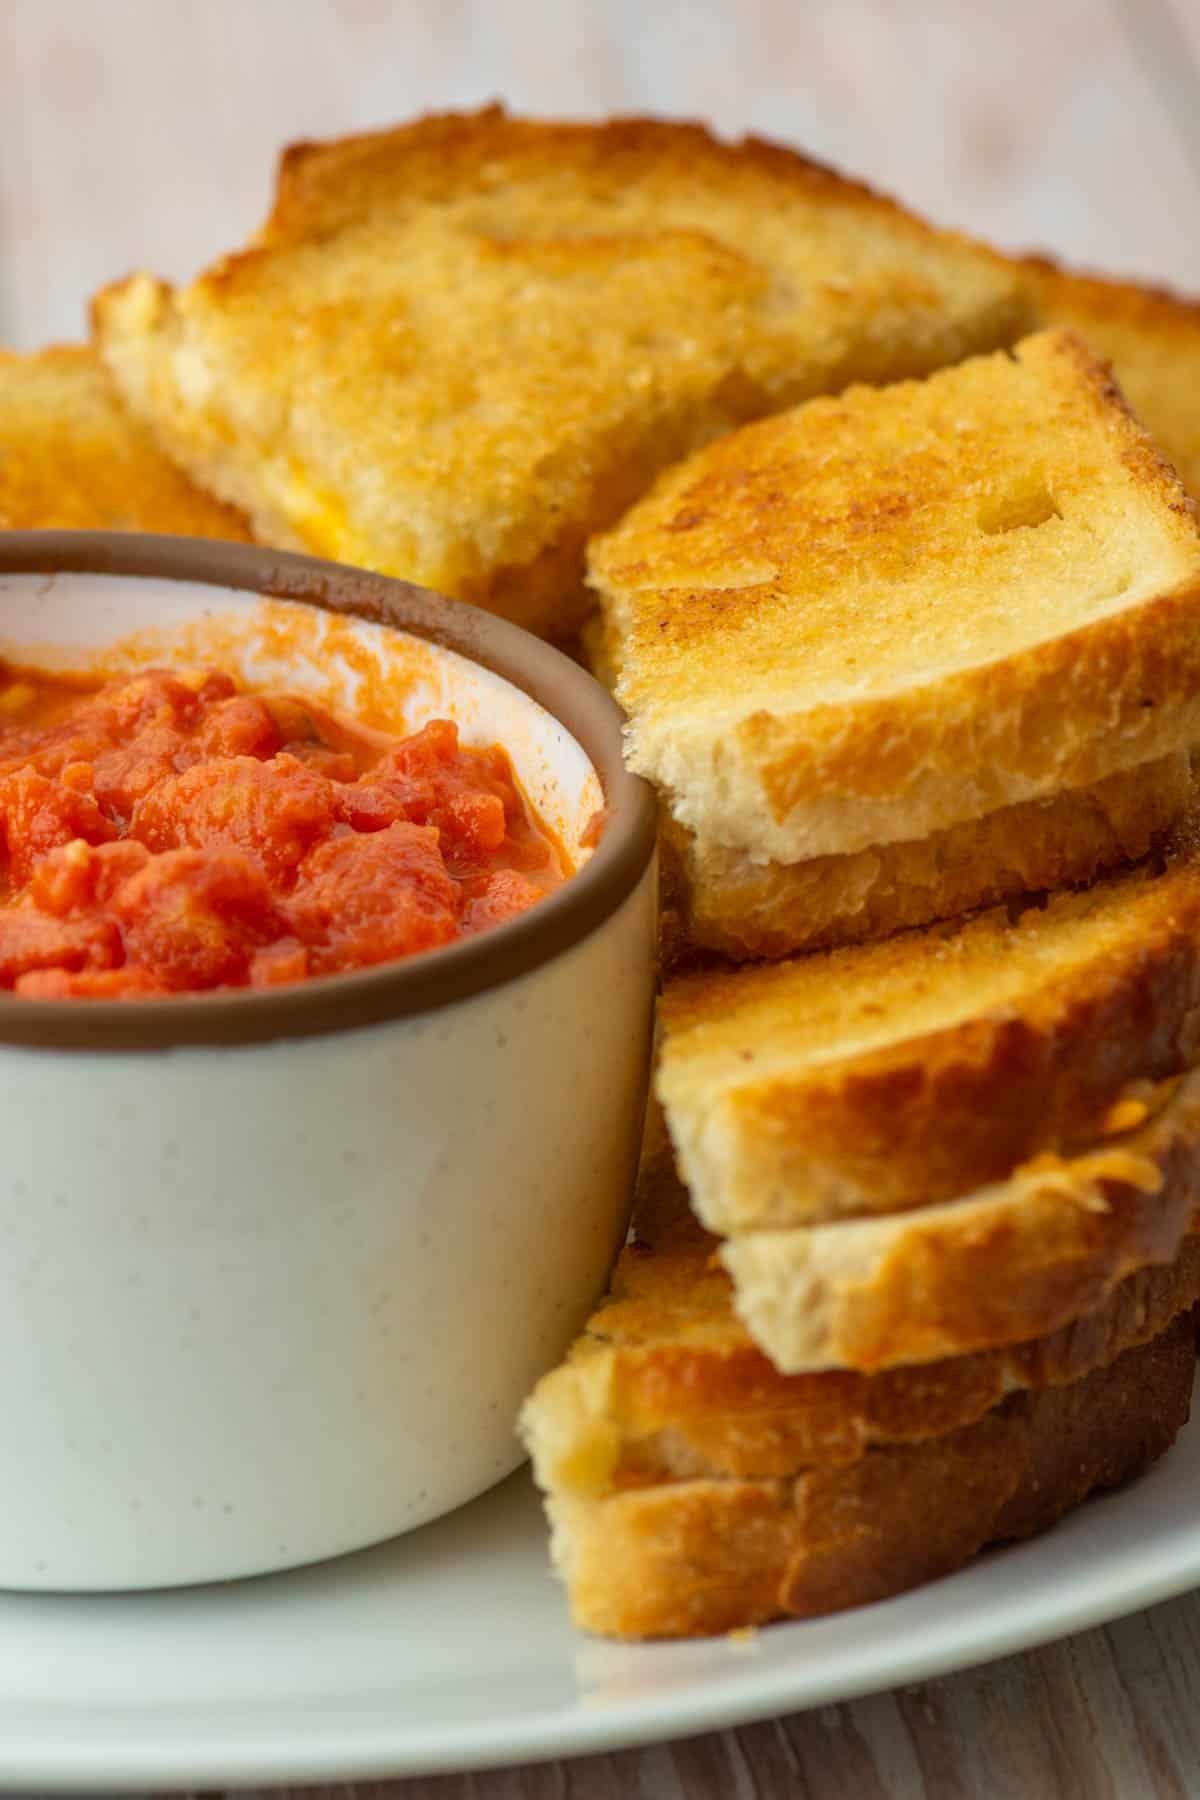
(432, 979)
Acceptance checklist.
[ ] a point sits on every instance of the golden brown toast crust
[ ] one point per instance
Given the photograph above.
(458, 347)
(799, 557)
(72, 458)
(696, 1557)
(720, 900)
(322, 187)
(667, 1384)
(896, 1109)
(1008, 1263)
(1152, 338)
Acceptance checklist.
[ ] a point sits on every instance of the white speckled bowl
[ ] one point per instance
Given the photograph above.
(278, 1268)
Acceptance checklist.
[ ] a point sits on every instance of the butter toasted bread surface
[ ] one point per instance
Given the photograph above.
(1152, 338)
(72, 458)
(878, 615)
(894, 1075)
(459, 347)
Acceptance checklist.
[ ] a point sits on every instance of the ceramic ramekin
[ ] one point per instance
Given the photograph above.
(277, 1268)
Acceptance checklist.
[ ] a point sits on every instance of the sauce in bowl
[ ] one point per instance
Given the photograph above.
(170, 832)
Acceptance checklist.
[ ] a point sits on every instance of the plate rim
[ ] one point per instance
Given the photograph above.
(392, 1749)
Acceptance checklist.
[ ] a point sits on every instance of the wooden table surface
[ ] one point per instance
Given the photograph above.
(140, 133)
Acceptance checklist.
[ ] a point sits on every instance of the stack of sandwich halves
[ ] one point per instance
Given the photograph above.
(915, 1272)
(915, 669)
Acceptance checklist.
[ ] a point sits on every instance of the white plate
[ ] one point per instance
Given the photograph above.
(450, 1649)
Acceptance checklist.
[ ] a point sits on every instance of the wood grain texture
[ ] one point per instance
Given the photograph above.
(142, 134)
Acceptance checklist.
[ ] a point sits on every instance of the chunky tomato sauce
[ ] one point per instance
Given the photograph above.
(167, 833)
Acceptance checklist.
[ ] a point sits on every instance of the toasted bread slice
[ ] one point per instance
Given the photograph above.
(666, 1383)
(889, 1076)
(719, 899)
(71, 457)
(1151, 337)
(693, 1488)
(877, 616)
(459, 347)
(1009, 1262)
(690, 1557)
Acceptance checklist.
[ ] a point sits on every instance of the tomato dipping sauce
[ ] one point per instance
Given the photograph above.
(167, 833)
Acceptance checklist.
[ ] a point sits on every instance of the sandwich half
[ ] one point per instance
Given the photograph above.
(73, 458)
(920, 615)
(459, 347)
(888, 1077)
(693, 1488)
